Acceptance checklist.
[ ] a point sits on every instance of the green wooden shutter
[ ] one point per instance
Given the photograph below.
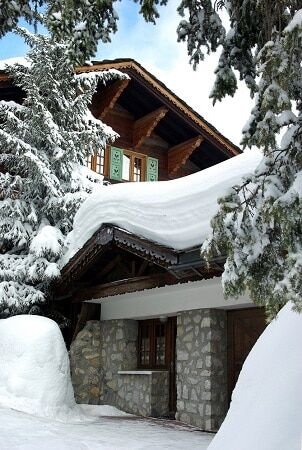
(152, 169)
(116, 163)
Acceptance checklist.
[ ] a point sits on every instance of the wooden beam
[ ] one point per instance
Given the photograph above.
(179, 154)
(123, 287)
(144, 126)
(142, 268)
(109, 267)
(88, 312)
(102, 103)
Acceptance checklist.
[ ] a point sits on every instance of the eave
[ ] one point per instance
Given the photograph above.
(178, 266)
(167, 97)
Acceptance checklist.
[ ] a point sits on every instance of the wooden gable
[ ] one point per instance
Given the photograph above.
(155, 123)
(114, 262)
(156, 128)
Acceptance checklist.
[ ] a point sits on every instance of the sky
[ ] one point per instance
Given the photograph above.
(156, 48)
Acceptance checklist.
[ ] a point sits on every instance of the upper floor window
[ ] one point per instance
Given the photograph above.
(96, 162)
(134, 166)
(123, 165)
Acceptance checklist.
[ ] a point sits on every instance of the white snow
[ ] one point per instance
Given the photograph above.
(175, 213)
(21, 431)
(295, 22)
(48, 241)
(11, 61)
(34, 368)
(102, 410)
(266, 412)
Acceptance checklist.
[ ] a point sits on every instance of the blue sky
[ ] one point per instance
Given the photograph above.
(156, 48)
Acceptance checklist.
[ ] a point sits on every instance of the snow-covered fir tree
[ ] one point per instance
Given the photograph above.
(83, 23)
(258, 226)
(43, 145)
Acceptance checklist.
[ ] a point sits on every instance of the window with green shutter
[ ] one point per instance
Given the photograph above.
(116, 163)
(152, 169)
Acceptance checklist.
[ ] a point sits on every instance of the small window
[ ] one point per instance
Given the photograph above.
(133, 166)
(126, 167)
(144, 357)
(152, 344)
(137, 170)
(96, 162)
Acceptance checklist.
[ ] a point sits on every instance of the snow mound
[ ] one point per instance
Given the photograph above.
(266, 412)
(34, 368)
(175, 213)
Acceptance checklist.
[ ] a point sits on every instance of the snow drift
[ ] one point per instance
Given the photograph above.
(266, 411)
(175, 213)
(34, 368)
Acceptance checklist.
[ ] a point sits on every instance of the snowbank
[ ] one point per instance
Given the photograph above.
(34, 368)
(266, 407)
(175, 213)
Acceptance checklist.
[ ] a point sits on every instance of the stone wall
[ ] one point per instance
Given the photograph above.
(85, 363)
(201, 368)
(119, 352)
(144, 392)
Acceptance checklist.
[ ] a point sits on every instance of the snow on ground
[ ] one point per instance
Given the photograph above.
(266, 407)
(102, 410)
(175, 213)
(34, 368)
(20, 431)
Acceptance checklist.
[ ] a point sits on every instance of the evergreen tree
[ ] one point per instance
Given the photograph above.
(43, 145)
(258, 226)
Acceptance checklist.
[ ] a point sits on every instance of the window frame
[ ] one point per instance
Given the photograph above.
(152, 323)
(92, 164)
(135, 155)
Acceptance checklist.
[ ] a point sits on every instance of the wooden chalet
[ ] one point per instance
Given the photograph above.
(161, 137)
(152, 333)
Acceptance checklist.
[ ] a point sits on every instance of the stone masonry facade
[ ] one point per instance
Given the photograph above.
(101, 351)
(144, 393)
(119, 352)
(85, 364)
(104, 362)
(201, 368)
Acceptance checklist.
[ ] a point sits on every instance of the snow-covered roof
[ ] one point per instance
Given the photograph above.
(174, 213)
(11, 61)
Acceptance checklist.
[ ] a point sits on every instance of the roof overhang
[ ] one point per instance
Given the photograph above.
(179, 266)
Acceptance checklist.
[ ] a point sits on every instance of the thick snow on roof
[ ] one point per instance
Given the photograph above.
(174, 213)
(11, 61)
(265, 412)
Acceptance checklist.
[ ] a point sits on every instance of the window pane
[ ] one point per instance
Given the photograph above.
(145, 345)
(126, 167)
(88, 161)
(137, 176)
(100, 160)
(160, 344)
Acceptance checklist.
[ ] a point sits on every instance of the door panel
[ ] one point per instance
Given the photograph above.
(244, 328)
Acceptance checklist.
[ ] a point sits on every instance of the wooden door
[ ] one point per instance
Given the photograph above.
(244, 328)
(171, 358)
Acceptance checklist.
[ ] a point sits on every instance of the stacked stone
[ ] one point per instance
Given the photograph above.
(119, 352)
(202, 368)
(145, 394)
(85, 364)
